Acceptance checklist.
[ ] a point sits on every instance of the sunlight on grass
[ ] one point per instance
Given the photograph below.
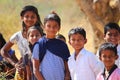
(69, 12)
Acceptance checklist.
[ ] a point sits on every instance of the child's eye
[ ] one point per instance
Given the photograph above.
(115, 34)
(111, 56)
(32, 17)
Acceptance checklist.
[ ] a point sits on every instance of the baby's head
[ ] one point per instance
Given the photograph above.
(34, 33)
(112, 33)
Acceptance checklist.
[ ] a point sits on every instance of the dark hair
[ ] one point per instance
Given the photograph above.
(36, 28)
(60, 36)
(107, 46)
(111, 25)
(2, 40)
(52, 16)
(33, 9)
(78, 30)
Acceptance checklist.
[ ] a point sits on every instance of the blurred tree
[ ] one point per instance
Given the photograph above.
(99, 13)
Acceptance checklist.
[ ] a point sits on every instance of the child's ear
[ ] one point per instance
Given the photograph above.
(69, 42)
(85, 41)
(100, 57)
(116, 57)
(104, 37)
(21, 18)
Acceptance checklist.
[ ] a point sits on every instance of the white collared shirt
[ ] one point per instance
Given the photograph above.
(85, 67)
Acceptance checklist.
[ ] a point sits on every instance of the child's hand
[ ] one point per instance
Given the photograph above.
(19, 67)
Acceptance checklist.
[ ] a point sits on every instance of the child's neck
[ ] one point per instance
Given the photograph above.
(50, 37)
(77, 52)
(108, 68)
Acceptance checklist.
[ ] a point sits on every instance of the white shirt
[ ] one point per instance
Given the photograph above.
(21, 42)
(85, 67)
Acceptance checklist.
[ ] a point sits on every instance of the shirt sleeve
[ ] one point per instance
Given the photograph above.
(35, 54)
(14, 38)
(96, 65)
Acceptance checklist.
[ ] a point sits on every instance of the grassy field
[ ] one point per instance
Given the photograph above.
(68, 10)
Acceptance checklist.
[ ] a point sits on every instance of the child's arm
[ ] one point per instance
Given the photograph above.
(67, 73)
(95, 64)
(36, 64)
(28, 71)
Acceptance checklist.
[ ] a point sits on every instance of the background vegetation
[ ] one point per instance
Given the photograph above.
(68, 10)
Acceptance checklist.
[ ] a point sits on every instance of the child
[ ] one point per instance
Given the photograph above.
(30, 17)
(11, 52)
(5, 66)
(33, 34)
(83, 65)
(112, 34)
(61, 37)
(108, 55)
(53, 65)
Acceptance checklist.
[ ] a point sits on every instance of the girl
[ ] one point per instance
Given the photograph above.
(53, 65)
(33, 34)
(29, 16)
(108, 55)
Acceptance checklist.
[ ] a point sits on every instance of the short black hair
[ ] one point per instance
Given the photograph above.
(107, 46)
(78, 30)
(53, 16)
(111, 25)
(59, 36)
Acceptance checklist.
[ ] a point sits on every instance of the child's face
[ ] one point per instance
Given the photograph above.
(112, 36)
(51, 27)
(29, 18)
(34, 36)
(108, 57)
(77, 41)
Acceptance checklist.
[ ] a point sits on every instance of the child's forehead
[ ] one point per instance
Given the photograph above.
(113, 30)
(34, 30)
(77, 34)
(107, 51)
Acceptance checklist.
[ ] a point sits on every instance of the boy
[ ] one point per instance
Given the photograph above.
(112, 35)
(83, 65)
(108, 55)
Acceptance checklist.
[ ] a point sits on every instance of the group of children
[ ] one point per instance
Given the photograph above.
(45, 56)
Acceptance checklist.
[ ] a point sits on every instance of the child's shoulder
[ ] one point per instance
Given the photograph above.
(88, 52)
(117, 71)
